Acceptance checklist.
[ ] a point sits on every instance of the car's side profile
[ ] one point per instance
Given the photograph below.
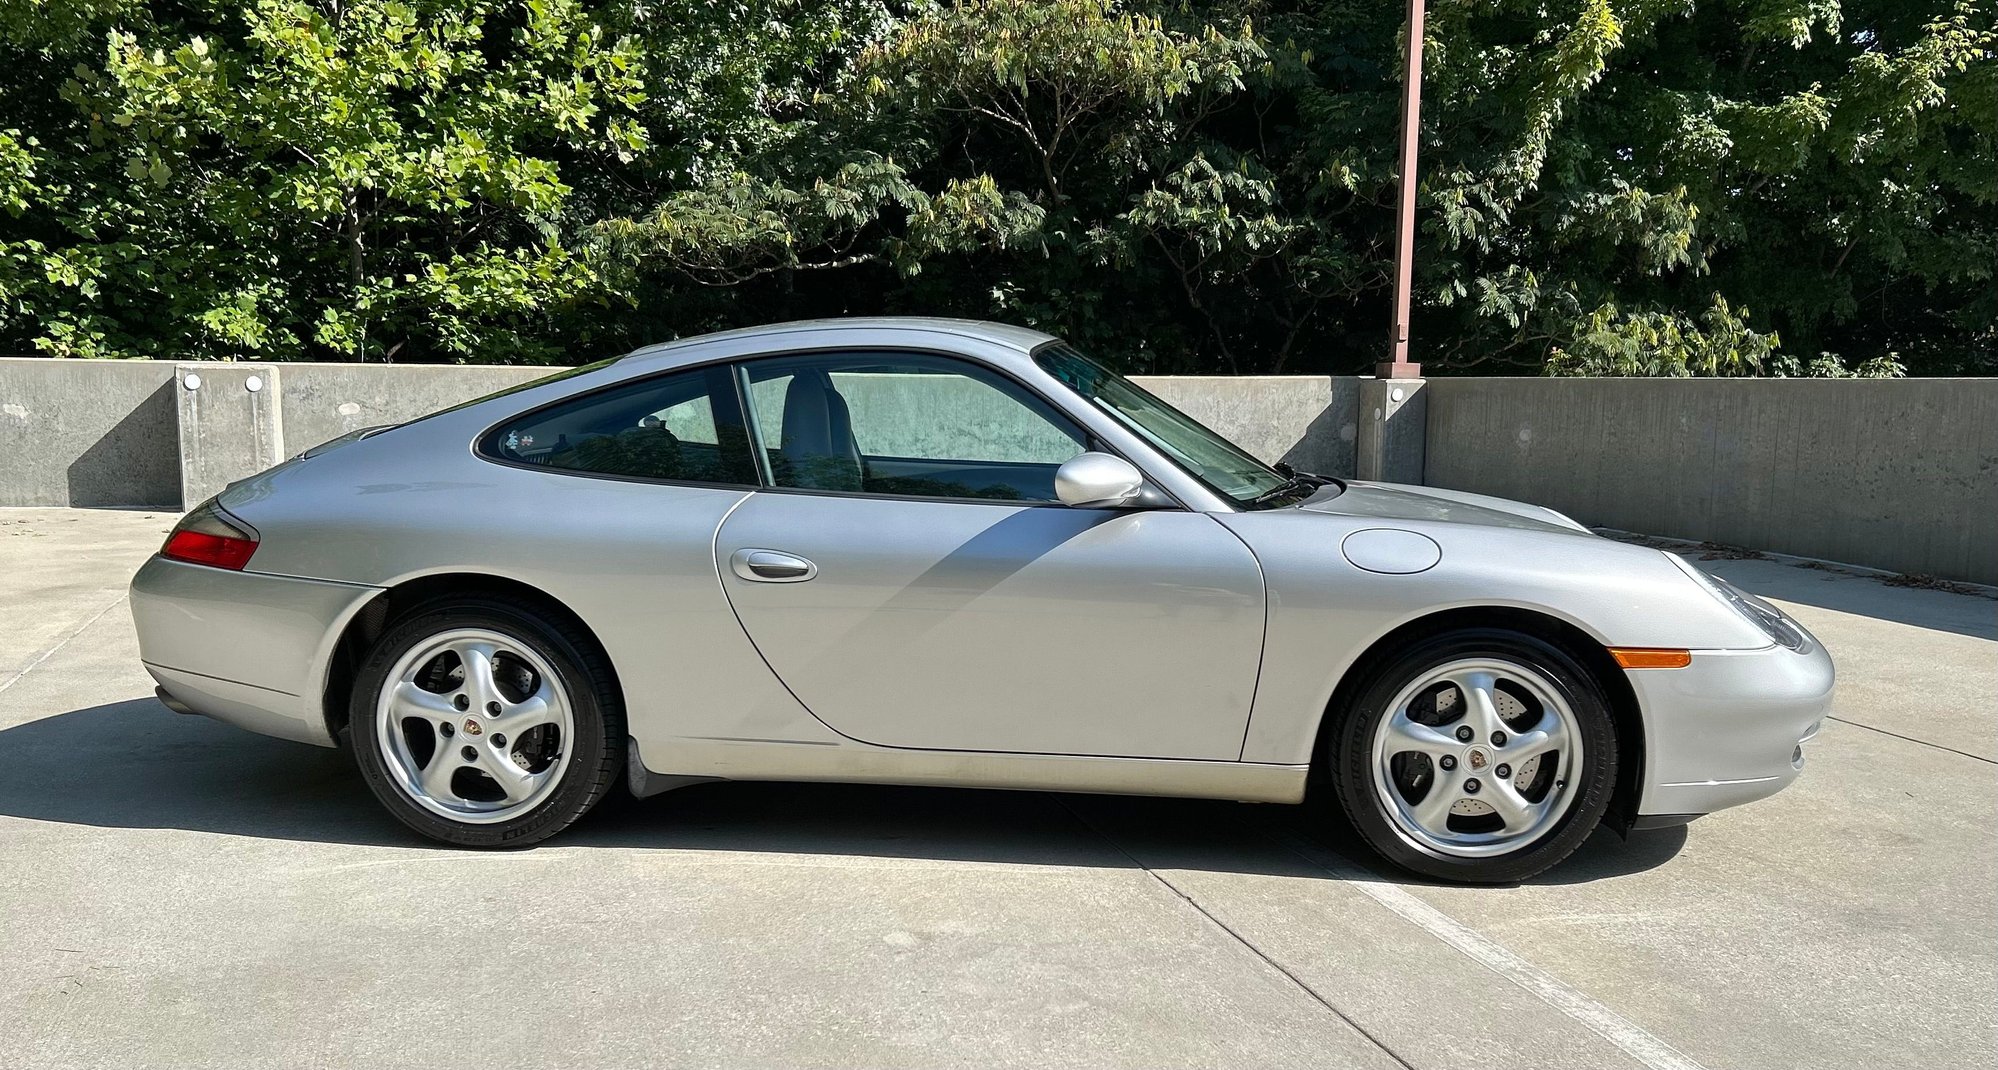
(953, 553)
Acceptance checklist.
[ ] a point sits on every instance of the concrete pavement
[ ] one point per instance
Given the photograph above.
(174, 892)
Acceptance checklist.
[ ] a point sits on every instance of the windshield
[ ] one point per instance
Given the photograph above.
(1219, 463)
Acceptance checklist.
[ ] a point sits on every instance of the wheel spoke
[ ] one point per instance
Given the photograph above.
(517, 718)
(409, 700)
(1409, 735)
(435, 778)
(1551, 735)
(1433, 812)
(1480, 704)
(477, 659)
(1510, 805)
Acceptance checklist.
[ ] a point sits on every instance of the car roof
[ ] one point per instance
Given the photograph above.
(1023, 339)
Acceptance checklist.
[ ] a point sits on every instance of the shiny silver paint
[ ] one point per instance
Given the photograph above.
(1184, 650)
(1098, 481)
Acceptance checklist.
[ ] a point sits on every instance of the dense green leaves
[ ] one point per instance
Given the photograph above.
(1642, 187)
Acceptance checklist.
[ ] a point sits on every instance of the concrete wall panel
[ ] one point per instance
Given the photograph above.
(94, 433)
(1306, 420)
(231, 420)
(325, 401)
(1893, 474)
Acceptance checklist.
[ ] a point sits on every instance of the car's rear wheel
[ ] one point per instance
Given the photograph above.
(485, 722)
(1479, 755)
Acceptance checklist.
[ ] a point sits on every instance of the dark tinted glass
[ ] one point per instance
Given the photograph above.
(679, 427)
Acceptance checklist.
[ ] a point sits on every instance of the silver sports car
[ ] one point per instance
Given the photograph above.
(938, 552)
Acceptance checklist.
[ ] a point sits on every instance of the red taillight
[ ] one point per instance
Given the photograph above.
(208, 536)
(222, 551)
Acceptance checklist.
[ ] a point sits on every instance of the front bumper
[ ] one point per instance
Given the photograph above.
(243, 647)
(1729, 728)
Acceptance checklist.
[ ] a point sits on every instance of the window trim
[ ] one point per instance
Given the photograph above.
(737, 372)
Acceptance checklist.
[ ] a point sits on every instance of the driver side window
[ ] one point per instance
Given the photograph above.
(907, 424)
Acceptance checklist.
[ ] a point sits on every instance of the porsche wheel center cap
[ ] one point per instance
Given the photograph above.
(1478, 759)
(472, 727)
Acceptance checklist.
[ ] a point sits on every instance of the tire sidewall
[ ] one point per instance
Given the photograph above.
(1350, 759)
(588, 748)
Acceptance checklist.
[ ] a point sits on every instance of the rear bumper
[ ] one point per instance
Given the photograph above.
(243, 647)
(1729, 728)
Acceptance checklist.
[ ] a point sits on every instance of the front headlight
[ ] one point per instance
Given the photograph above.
(1766, 617)
(1772, 621)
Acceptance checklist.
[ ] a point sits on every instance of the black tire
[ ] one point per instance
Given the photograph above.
(1347, 756)
(596, 748)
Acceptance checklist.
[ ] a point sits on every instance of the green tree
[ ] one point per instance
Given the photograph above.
(1658, 187)
(361, 178)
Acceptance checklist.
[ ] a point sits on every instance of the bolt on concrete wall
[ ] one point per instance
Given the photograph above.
(231, 424)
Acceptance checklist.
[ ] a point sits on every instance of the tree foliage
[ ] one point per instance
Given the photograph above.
(1635, 187)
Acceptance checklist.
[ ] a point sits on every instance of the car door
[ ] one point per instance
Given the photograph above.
(912, 579)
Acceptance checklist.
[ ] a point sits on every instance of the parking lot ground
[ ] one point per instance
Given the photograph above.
(175, 892)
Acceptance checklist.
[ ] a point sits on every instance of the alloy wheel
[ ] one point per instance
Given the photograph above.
(475, 726)
(1476, 758)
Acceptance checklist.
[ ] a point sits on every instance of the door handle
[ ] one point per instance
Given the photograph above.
(771, 566)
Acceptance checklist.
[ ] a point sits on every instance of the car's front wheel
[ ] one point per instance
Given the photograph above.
(1480, 755)
(486, 722)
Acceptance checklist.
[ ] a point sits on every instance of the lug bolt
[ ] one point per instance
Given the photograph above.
(1448, 762)
(499, 739)
(461, 702)
(445, 730)
(1471, 786)
(492, 709)
(1498, 739)
(470, 754)
(1464, 733)
(1503, 772)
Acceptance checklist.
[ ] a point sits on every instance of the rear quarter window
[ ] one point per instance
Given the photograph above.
(681, 427)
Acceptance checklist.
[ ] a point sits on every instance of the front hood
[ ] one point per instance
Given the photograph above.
(1395, 501)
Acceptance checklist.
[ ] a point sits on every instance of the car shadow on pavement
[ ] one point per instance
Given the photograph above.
(135, 765)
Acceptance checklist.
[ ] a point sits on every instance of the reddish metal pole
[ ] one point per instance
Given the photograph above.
(1398, 366)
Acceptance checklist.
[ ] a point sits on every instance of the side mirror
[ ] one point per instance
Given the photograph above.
(1098, 481)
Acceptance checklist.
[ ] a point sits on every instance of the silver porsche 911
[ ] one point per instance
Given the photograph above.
(954, 553)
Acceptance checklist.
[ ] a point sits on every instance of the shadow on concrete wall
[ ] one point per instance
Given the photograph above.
(137, 462)
(1321, 450)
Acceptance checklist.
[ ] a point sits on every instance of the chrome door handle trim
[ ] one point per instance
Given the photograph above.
(771, 566)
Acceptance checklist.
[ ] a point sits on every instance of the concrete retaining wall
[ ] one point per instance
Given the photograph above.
(1893, 474)
(78, 432)
(137, 433)
(325, 401)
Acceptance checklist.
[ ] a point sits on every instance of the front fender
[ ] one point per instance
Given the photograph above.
(1324, 612)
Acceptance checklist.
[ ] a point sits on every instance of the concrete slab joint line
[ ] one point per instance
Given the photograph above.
(36, 661)
(1634, 1040)
(231, 425)
(1393, 430)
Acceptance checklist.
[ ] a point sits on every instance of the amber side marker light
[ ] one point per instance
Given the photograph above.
(1635, 657)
